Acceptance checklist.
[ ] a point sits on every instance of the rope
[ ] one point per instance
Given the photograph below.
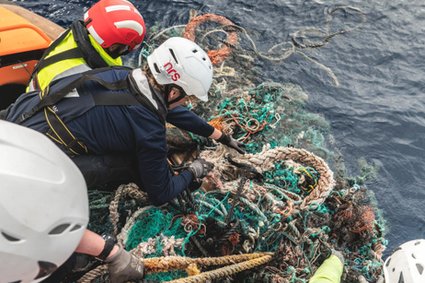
(162, 264)
(129, 223)
(93, 274)
(265, 160)
(237, 263)
(131, 190)
(224, 271)
(291, 210)
(219, 55)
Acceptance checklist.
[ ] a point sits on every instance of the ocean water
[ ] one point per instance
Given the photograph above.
(368, 82)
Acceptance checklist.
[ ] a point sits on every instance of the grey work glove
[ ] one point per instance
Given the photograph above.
(200, 168)
(339, 255)
(231, 142)
(123, 267)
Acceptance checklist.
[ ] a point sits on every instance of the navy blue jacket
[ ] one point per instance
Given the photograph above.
(137, 131)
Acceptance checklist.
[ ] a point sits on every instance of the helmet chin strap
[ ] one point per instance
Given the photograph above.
(118, 51)
(178, 98)
(114, 54)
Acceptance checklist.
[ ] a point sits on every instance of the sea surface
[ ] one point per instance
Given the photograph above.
(367, 80)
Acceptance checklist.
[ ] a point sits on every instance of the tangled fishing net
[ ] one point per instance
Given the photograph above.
(271, 215)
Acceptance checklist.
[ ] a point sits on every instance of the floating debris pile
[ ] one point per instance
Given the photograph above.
(272, 215)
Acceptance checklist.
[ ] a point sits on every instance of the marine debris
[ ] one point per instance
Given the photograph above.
(272, 215)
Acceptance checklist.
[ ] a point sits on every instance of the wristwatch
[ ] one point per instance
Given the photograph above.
(109, 245)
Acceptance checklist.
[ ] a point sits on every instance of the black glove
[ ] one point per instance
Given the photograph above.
(123, 267)
(231, 142)
(200, 168)
(194, 185)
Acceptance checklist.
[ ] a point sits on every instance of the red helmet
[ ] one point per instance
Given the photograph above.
(115, 21)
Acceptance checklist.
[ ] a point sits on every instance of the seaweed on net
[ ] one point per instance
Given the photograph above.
(265, 208)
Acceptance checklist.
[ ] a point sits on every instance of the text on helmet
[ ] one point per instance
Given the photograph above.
(171, 71)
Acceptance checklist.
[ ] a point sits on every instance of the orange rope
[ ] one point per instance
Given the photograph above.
(219, 55)
(217, 123)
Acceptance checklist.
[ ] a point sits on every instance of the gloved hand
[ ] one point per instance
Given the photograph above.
(200, 168)
(123, 267)
(194, 185)
(339, 255)
(231, 142)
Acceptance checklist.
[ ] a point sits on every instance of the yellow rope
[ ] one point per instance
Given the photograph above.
(236, 263)
(224, 271)
(162, 264)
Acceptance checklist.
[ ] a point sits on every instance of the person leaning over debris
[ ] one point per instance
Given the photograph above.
(111, 28)
(44, 212)
(113, 125)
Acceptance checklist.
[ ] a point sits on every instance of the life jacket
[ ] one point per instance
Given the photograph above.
(68, 98)
(75, 51)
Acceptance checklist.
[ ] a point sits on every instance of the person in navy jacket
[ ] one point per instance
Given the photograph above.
(126, 141)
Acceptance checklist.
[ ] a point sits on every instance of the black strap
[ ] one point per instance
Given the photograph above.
(89, 53)
(83, 50)
(146, 102)
(112, 99)
(68, 54)
(51, 99)
(60, 133)
(109, 245)
(52, 46)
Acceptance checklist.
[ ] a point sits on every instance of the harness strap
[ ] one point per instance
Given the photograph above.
(83, 50)
(52, 46)
(49, 100)
(58, 131)
(68, 54)
(145, 101)
(60, 134)
(111, 99)
(89, 53)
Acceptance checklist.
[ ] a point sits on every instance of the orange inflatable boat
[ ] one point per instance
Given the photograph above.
(24, 36)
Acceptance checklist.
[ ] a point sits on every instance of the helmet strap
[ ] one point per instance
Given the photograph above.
(178, 98)
(117, 50)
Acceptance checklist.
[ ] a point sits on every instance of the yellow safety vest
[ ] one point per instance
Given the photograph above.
(69, 66)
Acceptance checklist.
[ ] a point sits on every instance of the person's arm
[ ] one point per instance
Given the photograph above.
(185, 119)
(151, 149)
(122, 265)
(93, 244)
(154, 172)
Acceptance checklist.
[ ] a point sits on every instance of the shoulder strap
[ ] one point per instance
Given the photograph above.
(90, 55)
(83, 50)
(52, 98)
(68, 54)
(52, 46)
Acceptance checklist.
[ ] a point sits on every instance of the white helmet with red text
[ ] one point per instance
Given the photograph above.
(182, 62)
(407, 263)
(43, 205)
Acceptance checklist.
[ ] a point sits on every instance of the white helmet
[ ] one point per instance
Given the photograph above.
(407, 263)
(43, 205)
(182, 62)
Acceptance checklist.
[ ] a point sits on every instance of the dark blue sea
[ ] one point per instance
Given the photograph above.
(375, 99)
